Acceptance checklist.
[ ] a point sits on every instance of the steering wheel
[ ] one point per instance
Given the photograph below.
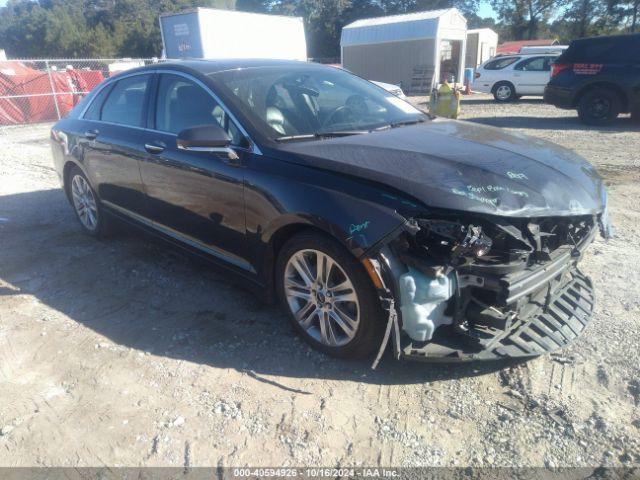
(344, 109)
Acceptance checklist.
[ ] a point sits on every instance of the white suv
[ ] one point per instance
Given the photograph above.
(512, 76)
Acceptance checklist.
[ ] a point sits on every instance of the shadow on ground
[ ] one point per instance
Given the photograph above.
(142, 294)
(491, 101)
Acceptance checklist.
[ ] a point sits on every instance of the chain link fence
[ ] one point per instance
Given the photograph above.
(45, 90)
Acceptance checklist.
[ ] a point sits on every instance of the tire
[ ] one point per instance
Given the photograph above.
(504, 92)
(599, 106)
(356, 338)
(87, 206)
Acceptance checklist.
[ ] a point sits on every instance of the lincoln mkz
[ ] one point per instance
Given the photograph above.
(369, 220)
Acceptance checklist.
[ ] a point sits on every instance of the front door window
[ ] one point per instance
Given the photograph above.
(182, 104)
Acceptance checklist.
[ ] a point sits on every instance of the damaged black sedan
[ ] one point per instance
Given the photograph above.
(369, 220)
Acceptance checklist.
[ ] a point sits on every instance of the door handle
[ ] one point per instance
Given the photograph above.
(154, 148)
(91, 134)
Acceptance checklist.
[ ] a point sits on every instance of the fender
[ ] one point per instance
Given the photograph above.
(355, 213)
(66, 154)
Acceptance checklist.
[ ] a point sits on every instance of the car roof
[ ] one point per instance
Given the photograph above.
(208, 67)
(608, 38)
(545, 54)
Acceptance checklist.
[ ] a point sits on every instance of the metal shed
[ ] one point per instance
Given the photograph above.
(482, 44)
(412, 49)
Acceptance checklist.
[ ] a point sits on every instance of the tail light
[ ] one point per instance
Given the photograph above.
(556, 68)
(476, 75)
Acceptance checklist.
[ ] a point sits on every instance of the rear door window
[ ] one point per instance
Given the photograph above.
(500, 63)
(125, 103)
(536, 64)
(94, 110)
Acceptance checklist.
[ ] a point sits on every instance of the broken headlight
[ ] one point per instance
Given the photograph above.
(475, 242)
(454, 238)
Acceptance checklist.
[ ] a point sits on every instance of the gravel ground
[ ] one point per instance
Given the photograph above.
(125, 352)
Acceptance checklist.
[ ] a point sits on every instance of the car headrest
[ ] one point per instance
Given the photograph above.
(193, 106)
(275, 119)
(193, 96)
(134, 97)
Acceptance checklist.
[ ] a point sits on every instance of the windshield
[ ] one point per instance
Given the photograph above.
(311, 101)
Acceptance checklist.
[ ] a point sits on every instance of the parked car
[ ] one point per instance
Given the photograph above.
(557, 49)
(391, 88)
(349, 205)
(512, 76)
(600, 77)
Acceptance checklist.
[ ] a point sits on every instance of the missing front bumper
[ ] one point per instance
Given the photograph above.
(546, 328)
(494, 311)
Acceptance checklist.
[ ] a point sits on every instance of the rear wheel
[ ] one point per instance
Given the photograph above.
(504, 92)
(599, 106)
(86, 204)
(329, 297)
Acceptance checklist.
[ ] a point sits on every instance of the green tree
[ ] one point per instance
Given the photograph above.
(392, 7)
(23, 28)
(76, 28)
(523, 18)
(475, 21)
(630, 10)
(584, 18)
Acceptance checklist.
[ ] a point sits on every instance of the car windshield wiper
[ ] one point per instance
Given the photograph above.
(318, 135)
(399, 124)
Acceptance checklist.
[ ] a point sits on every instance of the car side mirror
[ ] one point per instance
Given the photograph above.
(204, 138)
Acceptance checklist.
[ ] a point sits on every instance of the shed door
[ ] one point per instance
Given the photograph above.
(450, 51)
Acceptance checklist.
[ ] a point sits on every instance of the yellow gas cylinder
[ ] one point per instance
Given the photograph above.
(445, 102)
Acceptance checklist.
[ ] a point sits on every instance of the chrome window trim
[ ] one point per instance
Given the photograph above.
(105, 85)
(253, 148)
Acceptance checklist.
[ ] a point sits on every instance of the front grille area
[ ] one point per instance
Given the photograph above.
(543, 327)
(517, 290)
(550, 328)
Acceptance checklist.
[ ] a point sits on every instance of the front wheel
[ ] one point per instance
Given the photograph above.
(330, 299)
(504, 92)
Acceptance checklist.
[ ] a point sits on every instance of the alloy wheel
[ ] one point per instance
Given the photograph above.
(599, 107)
(84, 202)
(321, 297)
(503, 92)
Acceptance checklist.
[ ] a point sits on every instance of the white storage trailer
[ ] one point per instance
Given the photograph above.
(415, 50)
(212, 33)
(482, 44)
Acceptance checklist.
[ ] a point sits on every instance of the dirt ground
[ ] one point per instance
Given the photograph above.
(124, 352)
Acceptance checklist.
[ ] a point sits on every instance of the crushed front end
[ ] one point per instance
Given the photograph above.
(485, 288)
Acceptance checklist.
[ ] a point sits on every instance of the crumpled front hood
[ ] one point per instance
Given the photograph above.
(463, 166)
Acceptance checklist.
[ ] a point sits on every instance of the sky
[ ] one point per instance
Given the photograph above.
(484, 11)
